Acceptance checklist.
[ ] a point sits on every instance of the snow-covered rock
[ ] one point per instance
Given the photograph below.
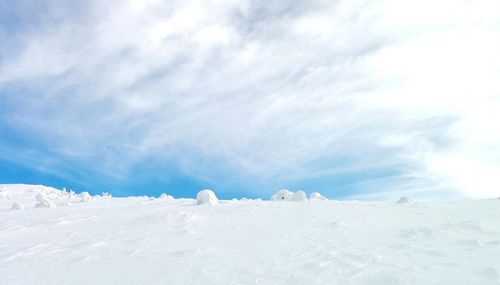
(17, 206)
(316, 196)
(405, 200)
(85, 196)
(299, 196)
(206, 196)
(106, 195)
(282, 195)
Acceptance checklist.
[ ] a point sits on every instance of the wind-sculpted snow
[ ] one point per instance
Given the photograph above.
(139, 240)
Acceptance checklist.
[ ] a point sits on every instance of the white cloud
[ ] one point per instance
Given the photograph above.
(280, 90)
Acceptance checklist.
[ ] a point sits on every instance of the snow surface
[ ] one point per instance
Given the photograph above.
(138, 240)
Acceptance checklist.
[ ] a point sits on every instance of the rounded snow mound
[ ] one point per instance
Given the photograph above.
(206, 197)
(299, 196)
(405, 200)
(282, 195)
(316, 196)
(165, 197)
(17, 206)
(44, 201)
(85, 196)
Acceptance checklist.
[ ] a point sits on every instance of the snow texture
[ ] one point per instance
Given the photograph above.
(206, 197)
(135, 240)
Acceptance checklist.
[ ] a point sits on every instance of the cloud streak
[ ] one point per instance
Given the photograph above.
(264, 93)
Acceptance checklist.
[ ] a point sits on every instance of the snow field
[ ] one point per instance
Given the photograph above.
(137, 240)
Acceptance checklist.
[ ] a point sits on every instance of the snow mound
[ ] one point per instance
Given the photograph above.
(44, 201)
(316, 196)
(17, 206)
(299, 196)
(165, 197)
(207, 197)
(85, 196)
(405, 200)
(282, 195)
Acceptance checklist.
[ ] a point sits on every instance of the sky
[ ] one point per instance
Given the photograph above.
(355, 99)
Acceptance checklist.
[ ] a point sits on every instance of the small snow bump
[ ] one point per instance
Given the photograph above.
(316, 196)
(405, 200)
(85, 196)
(44, 201)
(17, 206)
(165, 197)
(491, 273)
(206, 197)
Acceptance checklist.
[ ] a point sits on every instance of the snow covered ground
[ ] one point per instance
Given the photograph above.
(139, 240)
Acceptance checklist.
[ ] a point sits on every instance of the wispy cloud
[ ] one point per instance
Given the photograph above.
(274, 92)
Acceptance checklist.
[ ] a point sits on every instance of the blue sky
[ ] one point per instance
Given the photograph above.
(355, 99)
